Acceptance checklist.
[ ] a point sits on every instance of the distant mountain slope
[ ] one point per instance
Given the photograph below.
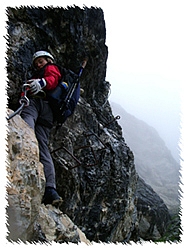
(154, 162)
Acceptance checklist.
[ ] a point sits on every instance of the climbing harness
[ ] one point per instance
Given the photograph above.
(24, 101)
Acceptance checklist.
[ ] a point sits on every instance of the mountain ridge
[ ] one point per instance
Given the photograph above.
(95, 169)
(153, 160)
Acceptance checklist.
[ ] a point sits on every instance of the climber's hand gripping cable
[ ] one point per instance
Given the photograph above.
(24, 101)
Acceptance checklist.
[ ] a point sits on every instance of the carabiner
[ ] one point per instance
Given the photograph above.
(24, 100)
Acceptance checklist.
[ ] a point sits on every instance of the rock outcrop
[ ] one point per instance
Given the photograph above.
(25, 178)
(152, 213)
(28, 219)
(96, 176)
(95, 169)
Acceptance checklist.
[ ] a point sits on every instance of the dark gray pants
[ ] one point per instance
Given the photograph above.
(38, 115)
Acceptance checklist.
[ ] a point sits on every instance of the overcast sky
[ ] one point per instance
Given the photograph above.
(147, 63)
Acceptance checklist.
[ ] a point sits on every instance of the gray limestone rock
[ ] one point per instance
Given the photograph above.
(95, 168)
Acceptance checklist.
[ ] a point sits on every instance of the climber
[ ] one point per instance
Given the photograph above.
(39, 116)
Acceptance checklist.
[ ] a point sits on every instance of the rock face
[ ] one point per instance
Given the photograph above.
(152, 213)
(28, 219)
(95, 169)
(25, 176)
(98, 188)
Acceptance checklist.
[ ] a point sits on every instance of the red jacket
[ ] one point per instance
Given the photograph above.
(51, 74)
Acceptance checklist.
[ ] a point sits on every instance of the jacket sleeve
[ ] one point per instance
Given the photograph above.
(52, 76)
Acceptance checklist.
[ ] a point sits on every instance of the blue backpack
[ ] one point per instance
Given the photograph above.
(64, 98)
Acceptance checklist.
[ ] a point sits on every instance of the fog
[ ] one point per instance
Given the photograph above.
(147, 63)
(154, 100)
(147, 67)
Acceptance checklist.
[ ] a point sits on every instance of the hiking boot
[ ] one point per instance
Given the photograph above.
(51, 197)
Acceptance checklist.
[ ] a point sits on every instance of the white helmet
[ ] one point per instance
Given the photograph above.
(42, 53)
